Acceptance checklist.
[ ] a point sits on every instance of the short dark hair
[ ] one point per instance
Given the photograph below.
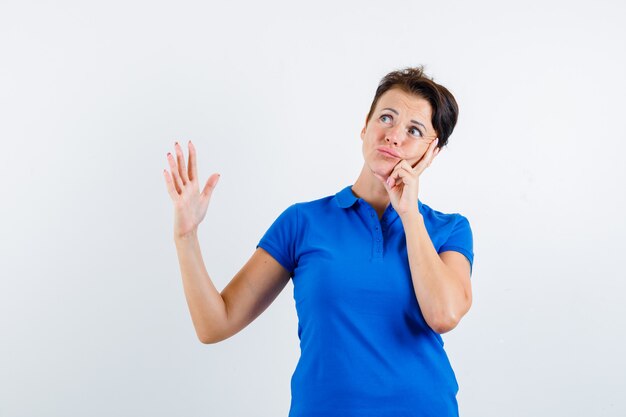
(413, 80)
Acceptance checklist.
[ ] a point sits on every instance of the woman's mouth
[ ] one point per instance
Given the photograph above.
(387, 152)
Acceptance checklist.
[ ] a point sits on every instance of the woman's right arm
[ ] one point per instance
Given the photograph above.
(218, 316)
(215, 316)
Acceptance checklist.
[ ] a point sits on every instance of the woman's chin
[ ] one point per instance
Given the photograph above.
(380, 169)
(382, 173)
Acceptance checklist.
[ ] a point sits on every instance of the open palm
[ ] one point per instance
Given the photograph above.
(190, 205)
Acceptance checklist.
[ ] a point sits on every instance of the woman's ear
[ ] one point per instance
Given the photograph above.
(364, 128)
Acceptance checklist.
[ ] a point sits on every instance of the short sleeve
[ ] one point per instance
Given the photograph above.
(280, 239)
(461, 240)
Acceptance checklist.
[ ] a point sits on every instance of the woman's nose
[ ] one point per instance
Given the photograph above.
(395, 135)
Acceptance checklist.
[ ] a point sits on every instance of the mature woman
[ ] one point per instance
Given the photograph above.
(377, 274)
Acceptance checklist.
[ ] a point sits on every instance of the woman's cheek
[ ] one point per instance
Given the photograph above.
(416, 160)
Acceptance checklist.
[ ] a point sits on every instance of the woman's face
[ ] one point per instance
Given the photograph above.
(399, 128)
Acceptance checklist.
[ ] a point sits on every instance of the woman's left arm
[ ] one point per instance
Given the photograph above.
(441, 281)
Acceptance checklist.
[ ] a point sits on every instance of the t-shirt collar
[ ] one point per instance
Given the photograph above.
(346, 198)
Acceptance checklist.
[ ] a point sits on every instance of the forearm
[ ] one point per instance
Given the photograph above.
(206, 305)
(441, 297)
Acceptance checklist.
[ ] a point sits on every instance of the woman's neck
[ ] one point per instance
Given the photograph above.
(372, 190)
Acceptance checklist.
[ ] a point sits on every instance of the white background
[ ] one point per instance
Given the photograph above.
(93, 319)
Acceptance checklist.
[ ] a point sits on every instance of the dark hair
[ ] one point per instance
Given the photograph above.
(413, 80)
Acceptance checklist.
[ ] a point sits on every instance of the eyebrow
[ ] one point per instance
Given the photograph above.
(398, 114)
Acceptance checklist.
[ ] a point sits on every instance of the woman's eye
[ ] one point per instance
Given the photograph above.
(385, 118)
(415, 132)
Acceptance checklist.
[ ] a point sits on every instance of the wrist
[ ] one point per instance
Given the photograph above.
(185, 237)
(412, 217)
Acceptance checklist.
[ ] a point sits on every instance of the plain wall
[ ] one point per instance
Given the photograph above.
(93, 318)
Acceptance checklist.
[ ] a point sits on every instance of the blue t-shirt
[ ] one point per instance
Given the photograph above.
(366, 349)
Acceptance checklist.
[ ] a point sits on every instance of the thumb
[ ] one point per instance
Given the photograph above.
(210, 185)
(389, 183)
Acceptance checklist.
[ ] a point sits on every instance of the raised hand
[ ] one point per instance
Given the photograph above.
(190, 205)
(402, 185)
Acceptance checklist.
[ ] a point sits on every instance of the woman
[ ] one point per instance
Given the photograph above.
(377, 274)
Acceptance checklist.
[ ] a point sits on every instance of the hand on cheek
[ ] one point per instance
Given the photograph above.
(403, 182)
(428, 157)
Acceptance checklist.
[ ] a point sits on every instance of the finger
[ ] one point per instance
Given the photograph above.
(389, 183)
(180, 159)
(434, 156)
(171, 190)
(404, 164)
(207, 191)
(434, 152)
(402, 177)
(397, 176)
(193, 169)
(427, 159)
(391, 179)
(178, 183)
(405, 176)
(435, 148)
(431, 147)
(398, 166)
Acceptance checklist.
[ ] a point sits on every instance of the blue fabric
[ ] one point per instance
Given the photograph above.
(366, 349)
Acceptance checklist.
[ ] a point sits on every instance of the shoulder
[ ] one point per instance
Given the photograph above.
(298, 212)
(328, 211)
(440, 219)
(449, 232)
(316, 206)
